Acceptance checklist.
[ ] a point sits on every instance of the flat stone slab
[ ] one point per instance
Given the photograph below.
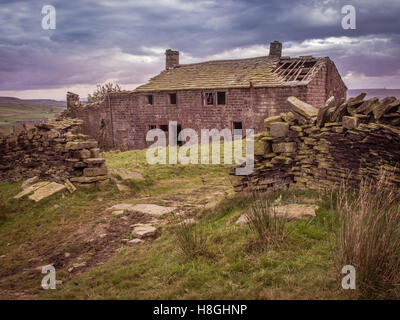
(289, 212)
(127, 175)
(46, 191)
(27, 183)
(123, 188)
(30, 189)
(144, 231)
(295, 211)
(134, 241)
(152, 209)
(121, 207)
(302, 108)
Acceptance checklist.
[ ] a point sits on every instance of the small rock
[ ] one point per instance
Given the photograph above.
(70, 269)
(67, 254)
(70, 187)
(56, 206)
(187, 221)
(242, 219)
(144, 231)
(123, 188)
(103, 235)
(118, 213)
(59, 282)
(2, 256)
(134, 241)
(79, 265)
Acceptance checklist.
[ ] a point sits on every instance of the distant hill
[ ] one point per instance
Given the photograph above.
(379, 93)
(13, 110)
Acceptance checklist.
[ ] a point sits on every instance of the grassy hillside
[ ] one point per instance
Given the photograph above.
(379, 93)
(77, 228)
(14, 110)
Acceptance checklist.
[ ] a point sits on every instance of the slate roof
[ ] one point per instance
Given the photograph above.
(241, 73)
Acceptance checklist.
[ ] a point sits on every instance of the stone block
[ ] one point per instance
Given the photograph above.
(350, 122)
(302, 108)
(279, 129)
(94, 153)
(269, 120)
(93, 172)
(84, 154)
(284, 147)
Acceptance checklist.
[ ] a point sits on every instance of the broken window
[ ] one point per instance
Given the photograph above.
(172, 98)
(164, 127)
(209, 98)
(149, 99)
(221, 97)
(152, 126)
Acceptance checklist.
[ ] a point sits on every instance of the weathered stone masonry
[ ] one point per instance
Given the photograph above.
(253, 89)
(54, 151)
(319, 149)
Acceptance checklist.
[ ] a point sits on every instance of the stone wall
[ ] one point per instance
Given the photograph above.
(123, 119)
(318, 149)
(52, 150)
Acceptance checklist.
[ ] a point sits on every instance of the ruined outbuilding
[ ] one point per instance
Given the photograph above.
(233, 94)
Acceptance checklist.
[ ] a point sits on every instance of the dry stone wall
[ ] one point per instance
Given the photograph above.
(52, 150)
(320, 148)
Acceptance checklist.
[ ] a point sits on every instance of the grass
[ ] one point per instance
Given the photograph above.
(20, 110)
(264, 222)
(368, 237)
(222, 262)
(235, 269)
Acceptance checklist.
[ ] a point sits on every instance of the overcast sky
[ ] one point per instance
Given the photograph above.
(124, 41)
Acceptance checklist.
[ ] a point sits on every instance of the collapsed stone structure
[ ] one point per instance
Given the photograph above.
(52, 150)
(233, 94)
(319, 149)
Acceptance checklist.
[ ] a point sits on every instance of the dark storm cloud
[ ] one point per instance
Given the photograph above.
(124, 40)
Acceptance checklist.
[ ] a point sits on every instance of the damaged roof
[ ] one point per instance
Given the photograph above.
(265, 71)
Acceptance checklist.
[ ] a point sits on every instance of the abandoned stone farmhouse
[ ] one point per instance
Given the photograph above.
(233, 94)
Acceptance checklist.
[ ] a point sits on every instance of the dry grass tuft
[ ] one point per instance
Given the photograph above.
(264, 222)
(367, 236)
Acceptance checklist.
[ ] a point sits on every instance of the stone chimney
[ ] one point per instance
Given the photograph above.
(275, 49)
(171, 59)
(72, 100)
